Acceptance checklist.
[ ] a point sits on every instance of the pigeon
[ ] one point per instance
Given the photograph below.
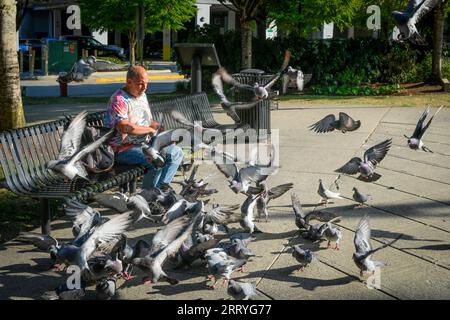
(329, 123)
(140, 208)
(189, 253)
(366, 168)
(316, 232)
(62, 292)
(223, 215)
(83, 68)
(240, 179)
(128, 253)
(303, 256)
(327, 194)
(152, 264)
(116, 201)
(85, 216)
(106, 288)
(248, 208)
(333, 233)
(59, 253)
(229, 107)
(415, 141)
(267, 195)
(302, 220)
(177, 210)
(261, 91)
(363, 255)
(406, 21)
(360, 197)
(68, 163)
(239, 250)
(221, 265)
(241, 290)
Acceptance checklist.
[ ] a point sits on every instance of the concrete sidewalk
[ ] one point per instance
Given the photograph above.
(412, 198)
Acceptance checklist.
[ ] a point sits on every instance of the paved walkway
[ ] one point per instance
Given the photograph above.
(411, 198)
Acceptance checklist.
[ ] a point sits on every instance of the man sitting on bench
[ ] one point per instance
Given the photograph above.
(129, 111)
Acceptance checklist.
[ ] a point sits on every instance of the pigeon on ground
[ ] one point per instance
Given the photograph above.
(106, 288)
(327, 194)
(316, 232)
(333, 234)
(360, 197)
(229, 107)
(302, 220)
(68, 163)
(128, 253)
(116, 201)
(303, 256)
(261, 91)
(241, 290)
(221, 265)
(415, 141)
(329, 123)
(406, 21)
(363, 255)
(366, 168)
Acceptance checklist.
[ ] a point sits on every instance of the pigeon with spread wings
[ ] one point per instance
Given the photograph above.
(415, 141)
(329, 123)
(406, 21)
(261, 91)
(366, 167)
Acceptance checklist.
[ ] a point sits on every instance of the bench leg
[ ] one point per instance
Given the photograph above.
(45, 216)
(133, 186)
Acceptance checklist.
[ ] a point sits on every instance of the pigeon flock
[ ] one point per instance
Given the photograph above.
(193, 229)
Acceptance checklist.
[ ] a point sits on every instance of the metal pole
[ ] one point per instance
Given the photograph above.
(45, 59)
(45, 216)
(196, 74)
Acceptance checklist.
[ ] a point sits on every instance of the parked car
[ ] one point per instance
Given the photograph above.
(90, 43)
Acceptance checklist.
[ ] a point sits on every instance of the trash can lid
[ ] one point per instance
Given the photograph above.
(253, 71)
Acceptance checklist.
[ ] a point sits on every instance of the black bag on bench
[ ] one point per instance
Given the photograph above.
(102, 159)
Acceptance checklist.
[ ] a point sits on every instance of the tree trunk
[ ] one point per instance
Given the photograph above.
(132, 39)
(11, 108)
(246, 45)
(438, 38)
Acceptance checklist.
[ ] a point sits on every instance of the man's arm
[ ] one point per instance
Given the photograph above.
(125, 126)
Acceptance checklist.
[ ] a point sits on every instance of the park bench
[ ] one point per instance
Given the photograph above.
(25, 151)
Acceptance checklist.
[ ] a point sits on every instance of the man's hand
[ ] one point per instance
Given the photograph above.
(155, 125)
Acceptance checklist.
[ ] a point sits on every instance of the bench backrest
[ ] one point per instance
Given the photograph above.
(25, 151)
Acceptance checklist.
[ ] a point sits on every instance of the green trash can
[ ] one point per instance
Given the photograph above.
(62, 54)
(257, 117)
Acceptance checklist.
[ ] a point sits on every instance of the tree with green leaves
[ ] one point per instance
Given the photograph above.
(11, 108)
(247, 11)
(120, 15)
(301, 17)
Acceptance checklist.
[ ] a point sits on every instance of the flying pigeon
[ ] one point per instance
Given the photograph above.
(327, 194)
(406, 21)
(241, 290)
(267, 195)
(229, 107)
(360, 197)
(415, 141)
(241, 179)
(303, 256)
(261, 91)
(366, 168)
(68, 163)
(362, 256)
(248, 208)
(329, 123)
(168, 245)
(83, 68)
